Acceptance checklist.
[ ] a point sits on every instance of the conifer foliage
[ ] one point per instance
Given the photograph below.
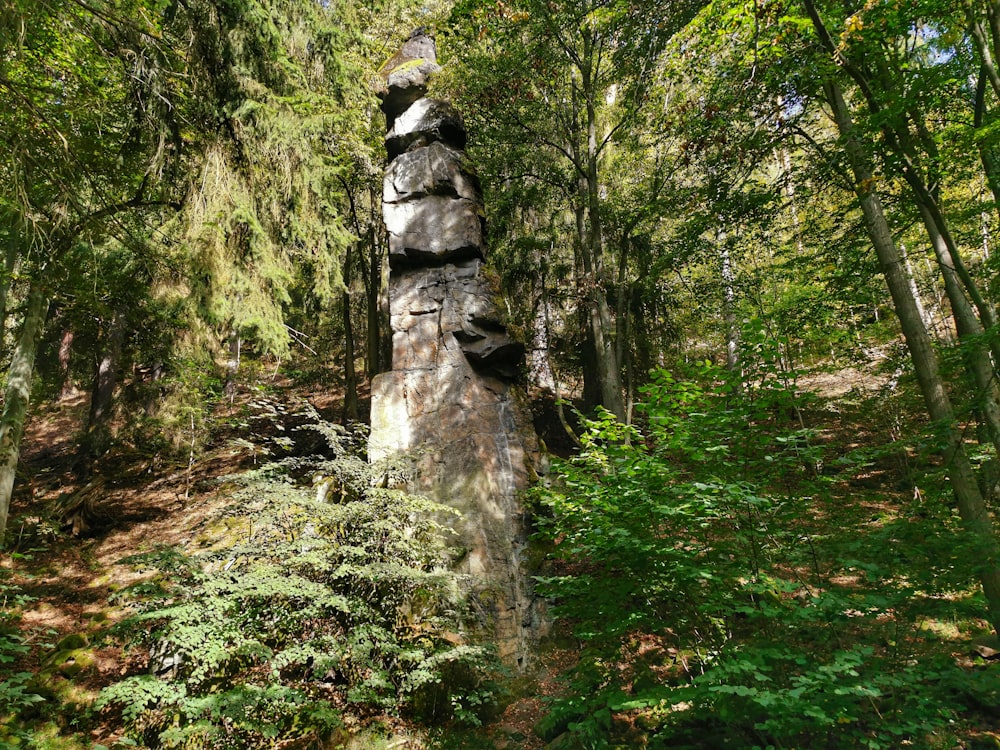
(190, 192)
(201, 145)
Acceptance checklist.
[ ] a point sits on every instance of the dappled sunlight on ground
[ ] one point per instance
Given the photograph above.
(150, 501)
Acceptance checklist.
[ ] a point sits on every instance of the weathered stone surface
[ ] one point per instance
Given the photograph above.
(405, 85)
(443, 315)
(490, 350)
(435, 170)
(412, 75)
(433, 229)
(473, 447)
(423, 289)
(423, 123)
(405, 75)
(449, 405)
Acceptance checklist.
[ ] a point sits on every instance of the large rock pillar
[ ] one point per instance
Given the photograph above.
(449, 404)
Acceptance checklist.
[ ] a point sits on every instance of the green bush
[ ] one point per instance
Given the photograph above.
(15, 686)
(686, 562)
(311, 610)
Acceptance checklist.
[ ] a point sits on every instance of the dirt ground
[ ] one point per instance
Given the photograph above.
(132, 503)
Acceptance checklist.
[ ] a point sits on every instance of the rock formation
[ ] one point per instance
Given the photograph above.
(449, 403)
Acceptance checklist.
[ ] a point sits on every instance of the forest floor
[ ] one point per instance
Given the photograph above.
(71, 564)
(135, 501)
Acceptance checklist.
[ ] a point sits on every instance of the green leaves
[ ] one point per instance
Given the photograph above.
(253, 641)
(16, 693)
(685, 558)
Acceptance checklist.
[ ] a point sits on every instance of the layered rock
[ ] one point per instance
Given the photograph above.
(449, 403)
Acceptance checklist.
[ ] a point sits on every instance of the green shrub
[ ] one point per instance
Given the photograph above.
(685, 559)
(15, 686)
(316, 609)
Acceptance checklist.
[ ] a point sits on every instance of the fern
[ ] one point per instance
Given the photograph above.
(322, 604)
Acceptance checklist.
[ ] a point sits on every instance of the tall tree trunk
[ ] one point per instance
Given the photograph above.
(588, 349)
(948, 255)
(65, 356)
(895, 128)
(17, 395)
(98, 436)
(622, 316)
(971, 506)
(350, 374)
(897, 135)
(970, 333)
(600, 326)
(609, 370)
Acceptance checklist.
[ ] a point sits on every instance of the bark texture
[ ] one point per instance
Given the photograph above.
(971, 505)
(17, 395)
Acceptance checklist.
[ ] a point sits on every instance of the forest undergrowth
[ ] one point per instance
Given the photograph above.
(750, 565)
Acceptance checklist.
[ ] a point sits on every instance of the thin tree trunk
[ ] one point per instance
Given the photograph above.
(924, 314)
(986, 158)
(971, 505)
(11, 255)
(384, 340)
(539, 368)
(235, 345)
(68, 389)
(156, 373)
(370, 265)
(989, 69)
(350, 374)
(622, 321)
(98, 437)
(984, 224)
(785, 160)
(970, 332)
(588, 349)
(897, 136)
(943, 328)
(17, 395)
(949, 257)
(728, 302)
(556, 390)
(373, 359)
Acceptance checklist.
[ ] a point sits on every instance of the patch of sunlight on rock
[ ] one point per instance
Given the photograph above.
(947, 631)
